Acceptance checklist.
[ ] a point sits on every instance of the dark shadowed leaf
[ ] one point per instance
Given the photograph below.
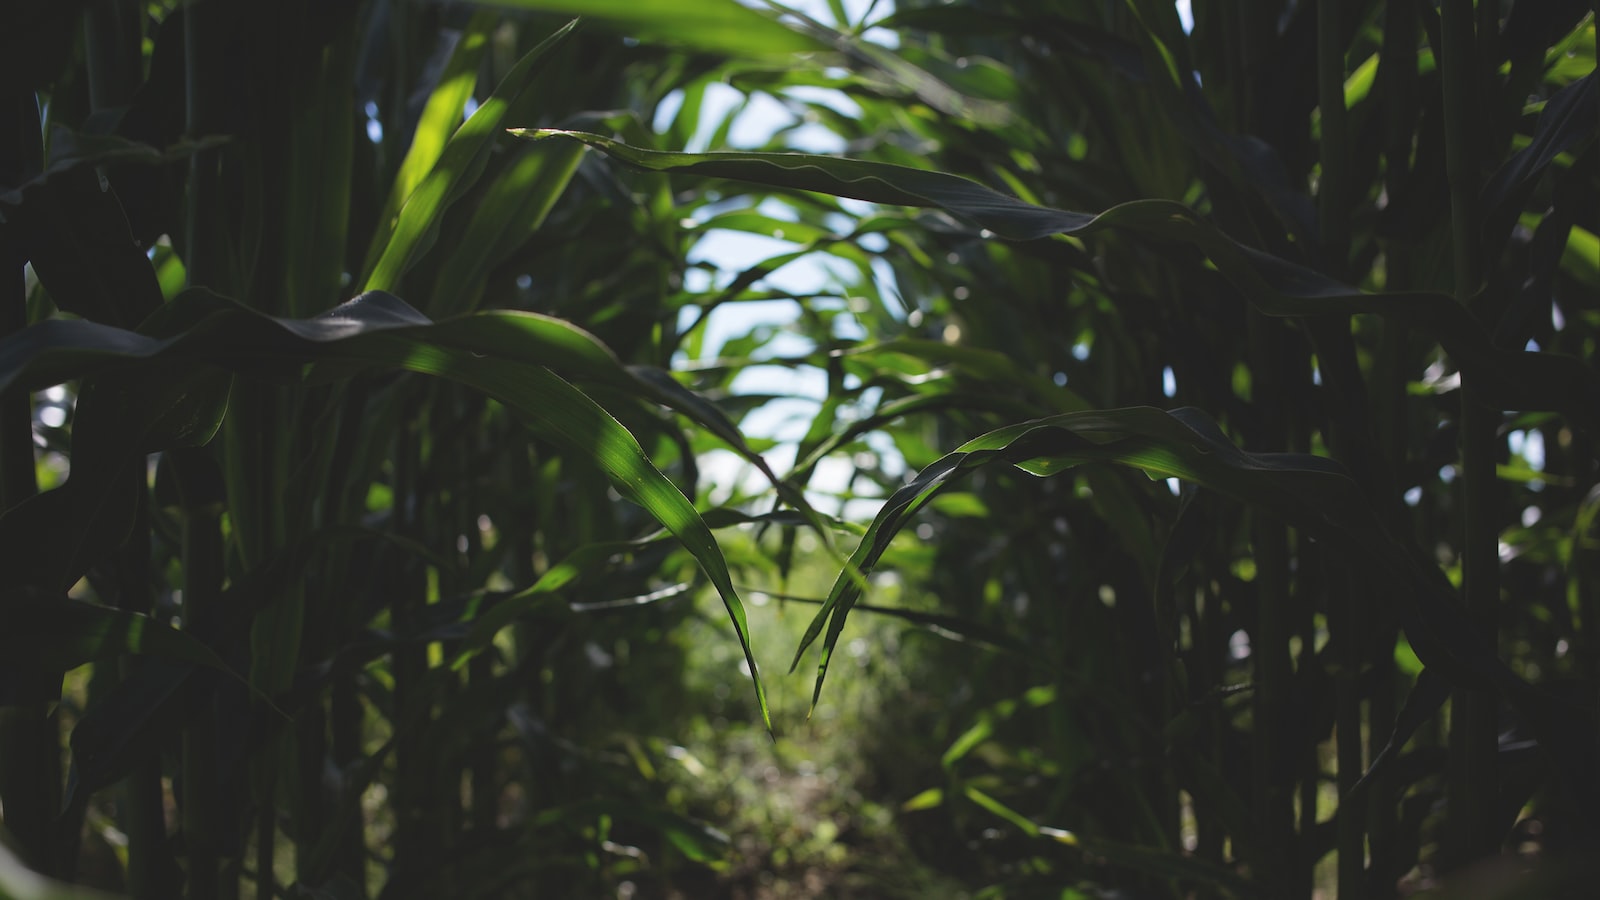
(504, 354)
(56, 634)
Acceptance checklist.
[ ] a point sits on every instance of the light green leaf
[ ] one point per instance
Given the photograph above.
(397, 245)
(438, 121)
(714, 26)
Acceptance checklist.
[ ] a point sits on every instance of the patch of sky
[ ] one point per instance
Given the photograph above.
(722, 253)
(1529, 445)
(798, 393)
(883, 278)
(858, 208)
(814, 137)
(847, 328)
(732, 252)
(762, 116)
(666, 111)
(374, 127)
(856, 13)
(837, 101)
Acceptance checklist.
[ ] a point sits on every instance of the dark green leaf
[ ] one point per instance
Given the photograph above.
(1277, 287)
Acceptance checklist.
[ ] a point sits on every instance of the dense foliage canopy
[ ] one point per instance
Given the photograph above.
(1176, 423)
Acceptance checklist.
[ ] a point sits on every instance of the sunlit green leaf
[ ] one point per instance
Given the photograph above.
(715, 26)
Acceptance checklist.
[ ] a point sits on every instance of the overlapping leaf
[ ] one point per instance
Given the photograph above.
(1277, 287)
(1312, 492)
(412, 226)
(56, 634)
(512, 356)
(715, 26)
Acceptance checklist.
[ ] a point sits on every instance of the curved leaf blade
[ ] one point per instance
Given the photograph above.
(714, 26)
(459, 164)
(1311, 492)
(1277, 287)
(503, 354)
(57, 634)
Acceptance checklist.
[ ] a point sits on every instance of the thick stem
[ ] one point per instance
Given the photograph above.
(1472, 782)
(1333, 188)
(345, 724)
(29, 738)
(202, 243)
(1397, 77)
(1350, 625)
(1272, 754)
(113, 63)
(140, 808)
(202, 591)
(112, 54)
(266, 850)
(408, 593)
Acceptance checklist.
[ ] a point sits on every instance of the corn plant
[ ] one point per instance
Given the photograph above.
(1242, 367)
(1332, 279)
(359, 428)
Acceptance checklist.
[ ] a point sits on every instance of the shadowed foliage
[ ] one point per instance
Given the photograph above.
(1198, 436)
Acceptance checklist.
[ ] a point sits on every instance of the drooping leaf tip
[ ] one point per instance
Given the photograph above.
(539, 134)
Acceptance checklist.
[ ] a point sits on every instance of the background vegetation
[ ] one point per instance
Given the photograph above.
(1221, 383)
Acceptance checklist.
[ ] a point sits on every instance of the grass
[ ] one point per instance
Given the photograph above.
(806, 813)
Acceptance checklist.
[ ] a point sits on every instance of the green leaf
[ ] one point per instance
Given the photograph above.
(932, 798)
(1277, 287)
(1427, 695)
(401, 240)
(955, 628)
(56, 634)
(128, 723)
(60, 533)
(714, 26)
(583, 427)
(440, 115)
(1312, 492)
(1149, 860)
(1000, 809)
(504, 354)
(541, 598)
(1566, 120)
(512, 209)
(74, 232)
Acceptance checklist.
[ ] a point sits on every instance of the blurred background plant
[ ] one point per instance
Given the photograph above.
(1286, 589)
